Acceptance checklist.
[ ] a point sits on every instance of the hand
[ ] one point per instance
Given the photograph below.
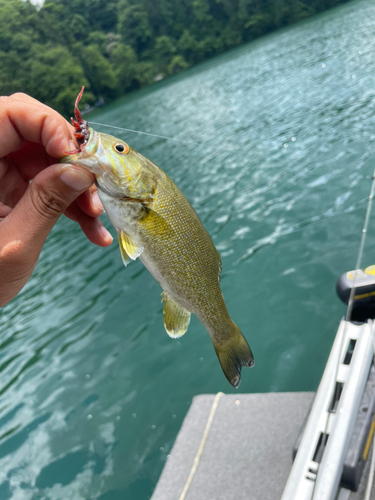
(32, 137)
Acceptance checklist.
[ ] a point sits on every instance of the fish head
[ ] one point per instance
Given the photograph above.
(119, 170)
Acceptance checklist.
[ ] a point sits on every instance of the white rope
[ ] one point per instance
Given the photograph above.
(201, 446)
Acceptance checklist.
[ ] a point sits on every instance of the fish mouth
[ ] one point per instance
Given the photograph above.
(89, 157)
(82, 160)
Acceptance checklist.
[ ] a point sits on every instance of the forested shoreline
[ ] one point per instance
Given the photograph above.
(116, 46)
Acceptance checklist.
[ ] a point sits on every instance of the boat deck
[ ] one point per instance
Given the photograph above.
(248, 451)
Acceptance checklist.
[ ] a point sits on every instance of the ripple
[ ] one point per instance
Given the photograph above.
(86, 338)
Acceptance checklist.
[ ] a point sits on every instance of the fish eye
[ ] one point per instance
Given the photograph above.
(122, 148)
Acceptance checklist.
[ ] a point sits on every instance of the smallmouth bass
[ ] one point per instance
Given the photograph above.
(155, 222)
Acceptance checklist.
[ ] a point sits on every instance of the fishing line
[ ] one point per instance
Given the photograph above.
(349, 309)
(191, 143)
(360, 250)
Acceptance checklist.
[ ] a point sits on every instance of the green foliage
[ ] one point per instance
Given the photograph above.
(16, 17)
(177, 64)
(133, 25)
(257, 24)
(190, 48)
(124, 62)
(79, 27)
(115, 46)
(145, 73)
(56, 86)
(11, 77)
(98, 70)
(163, 52)
(201, 11)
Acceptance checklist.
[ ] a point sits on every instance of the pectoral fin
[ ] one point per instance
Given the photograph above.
(176, 317)
(156, 223)
(129, 249)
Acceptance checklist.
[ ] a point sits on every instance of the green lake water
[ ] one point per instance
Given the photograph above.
(278, 164)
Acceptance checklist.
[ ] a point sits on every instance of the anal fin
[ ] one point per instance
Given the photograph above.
(129, 249)
(176, 317)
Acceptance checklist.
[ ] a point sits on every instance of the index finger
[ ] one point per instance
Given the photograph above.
(23, 118)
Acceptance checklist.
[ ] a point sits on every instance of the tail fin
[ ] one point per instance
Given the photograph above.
(234, 354)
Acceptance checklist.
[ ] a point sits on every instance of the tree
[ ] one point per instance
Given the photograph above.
(16, 17)
(163, 52)
(98, 70)
(59, 87)
(133, 26)
(177, 64)
(124, 62)
(201, 11)
(189, 48)
(115, 46)
(79, 27)
(12, 76)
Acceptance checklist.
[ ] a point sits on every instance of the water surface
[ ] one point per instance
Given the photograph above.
(278, 163)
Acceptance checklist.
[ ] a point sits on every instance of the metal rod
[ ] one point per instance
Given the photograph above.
(301, 481)
(331, 467)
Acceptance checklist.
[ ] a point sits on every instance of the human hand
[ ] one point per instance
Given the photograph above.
(32, 137)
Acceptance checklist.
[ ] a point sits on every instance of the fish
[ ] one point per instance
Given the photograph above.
(156, 223)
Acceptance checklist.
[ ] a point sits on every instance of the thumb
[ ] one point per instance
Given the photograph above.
(24, 231)
(46, 199)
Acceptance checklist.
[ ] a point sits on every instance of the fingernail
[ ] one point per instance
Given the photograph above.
(76, 178)
(72, 146)
(106, 234)
(95, 200)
